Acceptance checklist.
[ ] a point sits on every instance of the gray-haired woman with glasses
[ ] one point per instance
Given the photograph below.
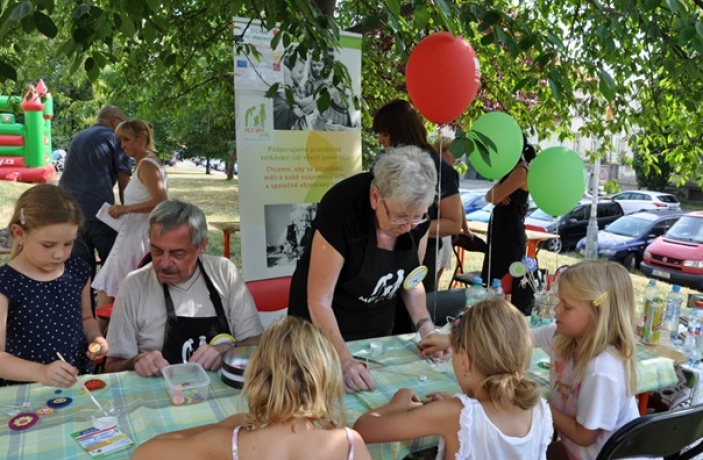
(370, 233)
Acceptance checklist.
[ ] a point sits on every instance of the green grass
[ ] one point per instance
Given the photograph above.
(216, 196)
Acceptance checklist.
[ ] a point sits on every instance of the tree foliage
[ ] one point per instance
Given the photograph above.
(542, 61)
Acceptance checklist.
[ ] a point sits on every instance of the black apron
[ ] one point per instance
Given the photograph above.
(180, 329)
(364, 305)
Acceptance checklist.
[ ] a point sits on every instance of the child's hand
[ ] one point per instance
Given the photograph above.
(58, 374)
(405, 399)
(97, 349)
(433, 343)
(438, 396)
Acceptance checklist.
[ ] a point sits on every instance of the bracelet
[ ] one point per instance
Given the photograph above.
(422, 321)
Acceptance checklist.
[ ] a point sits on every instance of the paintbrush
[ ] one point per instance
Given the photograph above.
(85, 388)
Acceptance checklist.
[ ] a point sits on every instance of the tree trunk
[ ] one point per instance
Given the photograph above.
(230, 164)
(326, 6)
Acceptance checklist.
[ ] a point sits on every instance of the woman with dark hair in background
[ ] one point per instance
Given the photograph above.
(507, 225)
(398, 123)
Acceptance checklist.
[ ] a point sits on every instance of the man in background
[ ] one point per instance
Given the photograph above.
(94, 163)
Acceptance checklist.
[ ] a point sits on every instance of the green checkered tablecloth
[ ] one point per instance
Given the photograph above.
(144, 408)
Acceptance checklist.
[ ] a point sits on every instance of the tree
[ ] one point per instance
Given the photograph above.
(541, 61)
(652, 172)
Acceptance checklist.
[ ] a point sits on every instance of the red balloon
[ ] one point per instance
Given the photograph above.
(442, 76)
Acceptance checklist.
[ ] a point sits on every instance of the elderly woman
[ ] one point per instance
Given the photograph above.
(296, 236)
(370, 233)
(398, 123)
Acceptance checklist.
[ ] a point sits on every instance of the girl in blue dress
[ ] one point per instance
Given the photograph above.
(45, 304)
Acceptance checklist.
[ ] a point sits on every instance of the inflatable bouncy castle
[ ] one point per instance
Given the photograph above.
(25, 148)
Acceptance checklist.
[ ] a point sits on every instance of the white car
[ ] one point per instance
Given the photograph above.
(641, 200)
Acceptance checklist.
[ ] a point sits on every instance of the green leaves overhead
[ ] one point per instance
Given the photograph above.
(542, 62)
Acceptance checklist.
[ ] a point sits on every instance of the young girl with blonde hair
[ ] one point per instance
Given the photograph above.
(592, 351)
(293, 384)
(500, 414)
(45, 303)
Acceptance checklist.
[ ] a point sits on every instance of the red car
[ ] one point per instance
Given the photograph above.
(677, 256)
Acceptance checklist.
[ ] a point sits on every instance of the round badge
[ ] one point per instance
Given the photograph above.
(59, 402)
(178, 399)
(530, 263)
(22, 421)
(45, 411)
(94, 347)
(95, 384)
(222, 338)
(415, 277)
(517, 269)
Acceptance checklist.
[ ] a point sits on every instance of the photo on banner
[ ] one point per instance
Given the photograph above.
(289, 155)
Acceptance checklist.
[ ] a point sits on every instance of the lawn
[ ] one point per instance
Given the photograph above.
(219, 199)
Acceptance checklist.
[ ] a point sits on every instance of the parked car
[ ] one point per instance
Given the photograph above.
(573, 225)
(625, 239)
(484, 214)
(473, 200)
(641, 200)
(677, 256)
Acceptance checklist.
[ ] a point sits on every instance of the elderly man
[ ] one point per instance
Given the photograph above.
(170, 310)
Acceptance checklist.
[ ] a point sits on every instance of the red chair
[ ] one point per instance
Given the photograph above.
(270, 297)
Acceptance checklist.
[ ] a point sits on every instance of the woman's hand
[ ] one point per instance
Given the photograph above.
(117, 210)
(58, 374)
(357, 377)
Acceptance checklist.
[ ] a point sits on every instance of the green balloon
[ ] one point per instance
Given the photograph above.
(502, 137)
(557, 180)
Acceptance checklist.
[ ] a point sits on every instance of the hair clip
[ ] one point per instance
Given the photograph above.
(600, 299)
(22, 221)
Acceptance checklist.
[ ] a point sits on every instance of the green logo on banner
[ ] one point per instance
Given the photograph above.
(255, 117)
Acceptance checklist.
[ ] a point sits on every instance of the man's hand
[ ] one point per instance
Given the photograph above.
(357, 377)
(149, 363)
(207, 356)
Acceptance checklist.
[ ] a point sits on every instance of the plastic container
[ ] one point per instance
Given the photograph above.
(543, 309)
(475, 292)
(673, 312)
(497, 289)
(186, 383)
(694, 337)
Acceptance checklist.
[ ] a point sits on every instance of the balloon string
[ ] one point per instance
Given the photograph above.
(439, 216)
(490, 239)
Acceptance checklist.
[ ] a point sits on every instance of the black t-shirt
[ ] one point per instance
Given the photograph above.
(449, 185)
(343, 218)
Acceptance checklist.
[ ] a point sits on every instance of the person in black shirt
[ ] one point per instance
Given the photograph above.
(370, 233)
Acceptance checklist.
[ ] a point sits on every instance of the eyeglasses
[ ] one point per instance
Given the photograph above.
(396, 220)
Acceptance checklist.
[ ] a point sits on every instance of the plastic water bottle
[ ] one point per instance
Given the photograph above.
(648, 296)
(475, 292)
(497, 289)
(673, 311)
(694, 338)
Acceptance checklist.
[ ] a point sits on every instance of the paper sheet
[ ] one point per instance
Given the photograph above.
(106, 218)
